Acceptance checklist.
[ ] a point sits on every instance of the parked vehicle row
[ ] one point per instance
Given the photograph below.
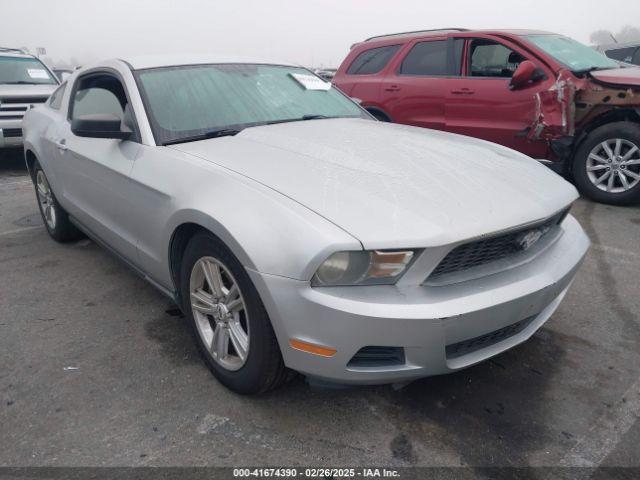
(293, 229)
(539, 93)
(24, 81)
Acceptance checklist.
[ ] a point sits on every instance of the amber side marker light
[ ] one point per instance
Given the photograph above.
(311, 348)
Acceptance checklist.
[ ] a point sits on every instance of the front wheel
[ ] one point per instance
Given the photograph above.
(229, 321)
(606, 167)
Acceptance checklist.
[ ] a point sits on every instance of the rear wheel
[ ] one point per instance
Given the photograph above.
(56, 220)
(229, 321)
(606, 167)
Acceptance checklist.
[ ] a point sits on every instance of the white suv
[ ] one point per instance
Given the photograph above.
(24, 81)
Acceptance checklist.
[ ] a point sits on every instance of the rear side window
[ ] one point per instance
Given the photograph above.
(426, 58)
(56, 97)
(372, 61)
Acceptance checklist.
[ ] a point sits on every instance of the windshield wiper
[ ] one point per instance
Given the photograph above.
(221, 132)
(298, 119)
(22, 82)
(314, 117)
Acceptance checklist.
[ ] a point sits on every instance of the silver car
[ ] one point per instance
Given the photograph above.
(295, 231)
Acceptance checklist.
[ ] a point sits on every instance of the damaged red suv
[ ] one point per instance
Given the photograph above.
(540, 93)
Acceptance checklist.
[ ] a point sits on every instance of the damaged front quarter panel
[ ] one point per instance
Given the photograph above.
(572, 103)
(555, 112)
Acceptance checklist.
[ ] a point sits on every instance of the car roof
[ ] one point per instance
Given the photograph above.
(402, 37)
(14, 53)
(172, 60)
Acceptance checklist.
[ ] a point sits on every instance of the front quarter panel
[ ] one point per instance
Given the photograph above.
(266, 231)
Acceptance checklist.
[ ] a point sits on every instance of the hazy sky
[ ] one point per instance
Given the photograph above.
(311, 32)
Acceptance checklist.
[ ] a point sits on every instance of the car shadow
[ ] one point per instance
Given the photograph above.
(493, 414)
(12, 162)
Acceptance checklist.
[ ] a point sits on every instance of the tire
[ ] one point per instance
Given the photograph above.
(593, 161)
(55, 218)
(262, 368)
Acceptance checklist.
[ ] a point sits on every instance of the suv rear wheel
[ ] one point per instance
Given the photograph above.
(606, 167)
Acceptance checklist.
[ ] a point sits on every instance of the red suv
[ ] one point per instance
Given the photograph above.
(540, 93)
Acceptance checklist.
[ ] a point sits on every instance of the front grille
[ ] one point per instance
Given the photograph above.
(487, 250)
(377, 357)
(466, 347)
(28, 100)
(4, 108)
(11, 132)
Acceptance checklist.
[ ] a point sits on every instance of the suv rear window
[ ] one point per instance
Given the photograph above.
(372, 61)
(426, 58)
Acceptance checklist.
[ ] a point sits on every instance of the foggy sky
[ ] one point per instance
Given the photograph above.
(310, 32)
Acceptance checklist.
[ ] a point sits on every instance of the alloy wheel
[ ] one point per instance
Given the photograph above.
(220, 313)
(45, 199)
(613, 166)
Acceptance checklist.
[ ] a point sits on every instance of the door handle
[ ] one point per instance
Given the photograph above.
(392, 88)
(463, 91)
(62, 145)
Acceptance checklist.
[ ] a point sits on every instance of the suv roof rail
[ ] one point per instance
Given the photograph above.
(419, 31)
(17, 50)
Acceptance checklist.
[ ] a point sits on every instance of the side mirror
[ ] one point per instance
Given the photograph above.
(100, 126)
(526, 74)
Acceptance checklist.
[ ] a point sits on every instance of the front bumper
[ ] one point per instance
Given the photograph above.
(423, 320)
(10, 133)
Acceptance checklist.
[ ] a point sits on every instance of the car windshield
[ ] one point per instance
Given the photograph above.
(24, 71)
(573, 54)
(189, 103)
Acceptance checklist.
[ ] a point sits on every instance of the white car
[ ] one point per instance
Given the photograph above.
(293, 229)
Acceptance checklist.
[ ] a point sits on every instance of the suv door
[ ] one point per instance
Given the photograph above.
(361, 73)
(413, 92)
(96, 184)
(481, 104)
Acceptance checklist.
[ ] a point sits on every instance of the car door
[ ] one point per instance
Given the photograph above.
(413, 91)
(51, 136)
(481, 104)
(95, 171)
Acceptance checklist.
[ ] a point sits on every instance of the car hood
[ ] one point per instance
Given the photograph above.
(619, 76)
(393, 186)
(11, 91)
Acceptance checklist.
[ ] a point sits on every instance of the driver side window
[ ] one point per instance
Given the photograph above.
(493, 60)
(99, 94)
(103, 95)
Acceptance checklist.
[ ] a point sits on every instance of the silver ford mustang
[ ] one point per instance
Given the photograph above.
(293, 229)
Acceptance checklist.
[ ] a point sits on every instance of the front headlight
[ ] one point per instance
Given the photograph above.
(373, 267)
